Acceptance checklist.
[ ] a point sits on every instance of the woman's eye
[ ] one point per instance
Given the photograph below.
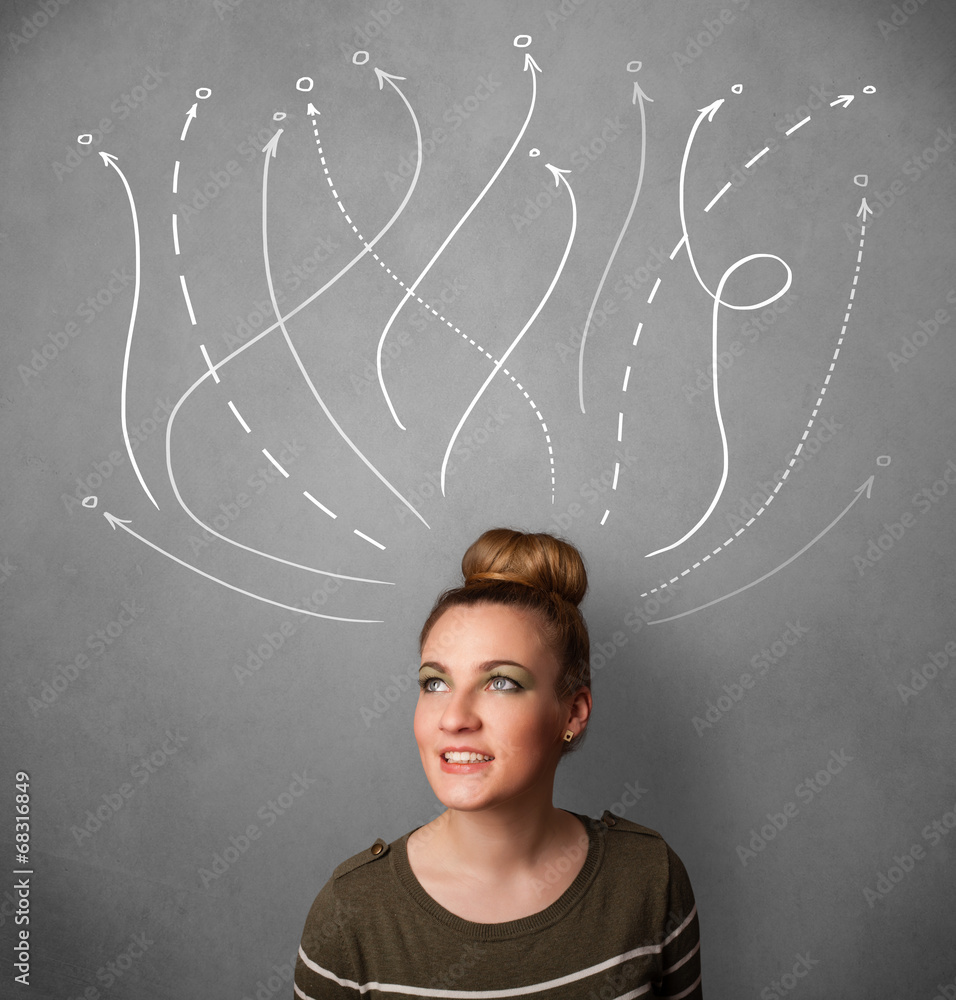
(504, 684)
(429, 684)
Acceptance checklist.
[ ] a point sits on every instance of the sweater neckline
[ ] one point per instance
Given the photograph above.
(510, 928)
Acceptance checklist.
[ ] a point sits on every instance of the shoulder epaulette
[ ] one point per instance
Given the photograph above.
(378, 850)
(626, 826)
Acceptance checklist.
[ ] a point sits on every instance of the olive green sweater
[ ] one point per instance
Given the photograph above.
(626, 927)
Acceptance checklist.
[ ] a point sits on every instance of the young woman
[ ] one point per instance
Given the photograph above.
(505, 895)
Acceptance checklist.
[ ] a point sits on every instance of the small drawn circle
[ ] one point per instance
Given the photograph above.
(861, 180)
(869, 90)
(89, 502)
(304, 83)
(522, 41)
(360, 58)
(883, 460)
(85, 139)
(535, 152)
(737, 88)
(203, 93)
(634, 66)
(279, 116)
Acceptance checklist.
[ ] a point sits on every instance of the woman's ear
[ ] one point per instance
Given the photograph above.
(579, 711)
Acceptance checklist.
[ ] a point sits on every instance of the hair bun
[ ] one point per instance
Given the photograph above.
(534, 560)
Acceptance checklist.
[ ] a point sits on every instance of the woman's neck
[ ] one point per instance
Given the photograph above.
(503, 842)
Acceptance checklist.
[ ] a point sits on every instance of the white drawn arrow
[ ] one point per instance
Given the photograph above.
(709, 113)
(639, 98)
(110, 160)
(114, 521)
(844, 99)
(270, 148)
(190, 115)
(272, 145)
(865, 488)
(529, 64)
(718, 302)
(368, 247)
(558, 176)
(806, 432)
(391, 78)
(864, 211)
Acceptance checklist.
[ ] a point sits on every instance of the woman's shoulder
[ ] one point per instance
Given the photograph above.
(620, 825)
(623, 838)
(355, 875)
(354, 886)
(376, 852)
(629, 843)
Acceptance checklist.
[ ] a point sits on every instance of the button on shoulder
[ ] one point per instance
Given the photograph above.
(620, 825)
(378, 850)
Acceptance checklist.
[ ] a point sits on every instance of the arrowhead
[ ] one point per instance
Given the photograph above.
(868, 486)
(557, 173)
(383, 76)
(844, 99)
(711, 109)
(864, 210)
(273, 144)
(312, 110)
(640, 93)
(108, 159)
(114, 520)
(192, 111)
(529, 62)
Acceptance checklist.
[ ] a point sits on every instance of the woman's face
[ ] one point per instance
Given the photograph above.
(488, 684)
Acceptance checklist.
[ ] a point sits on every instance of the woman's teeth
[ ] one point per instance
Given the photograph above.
(457, 757)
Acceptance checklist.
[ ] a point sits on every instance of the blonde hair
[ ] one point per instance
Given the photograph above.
(540, 575)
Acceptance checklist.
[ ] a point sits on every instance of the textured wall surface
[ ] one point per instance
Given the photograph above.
(299, 298)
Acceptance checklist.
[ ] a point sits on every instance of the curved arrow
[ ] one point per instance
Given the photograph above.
(806, 432)
(709, 113)
(367, 248)
(382, 77)
(270, 148)
(866, 488)
(529, 64)
(558, 176)
(249, 343)
(718, 302)
(190, 115)
(110, 160)
(211, 372)
(639, 98)
(114, 521)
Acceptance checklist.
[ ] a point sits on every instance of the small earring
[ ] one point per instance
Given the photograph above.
(568, 736)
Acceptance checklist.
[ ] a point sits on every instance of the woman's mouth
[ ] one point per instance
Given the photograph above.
(464, 761)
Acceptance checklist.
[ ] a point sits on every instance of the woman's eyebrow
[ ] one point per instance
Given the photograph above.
(480, 669)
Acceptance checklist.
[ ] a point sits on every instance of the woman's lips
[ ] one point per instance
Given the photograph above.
(467, 766)
(464, 768)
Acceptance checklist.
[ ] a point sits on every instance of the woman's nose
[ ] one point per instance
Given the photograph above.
(460, 713)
